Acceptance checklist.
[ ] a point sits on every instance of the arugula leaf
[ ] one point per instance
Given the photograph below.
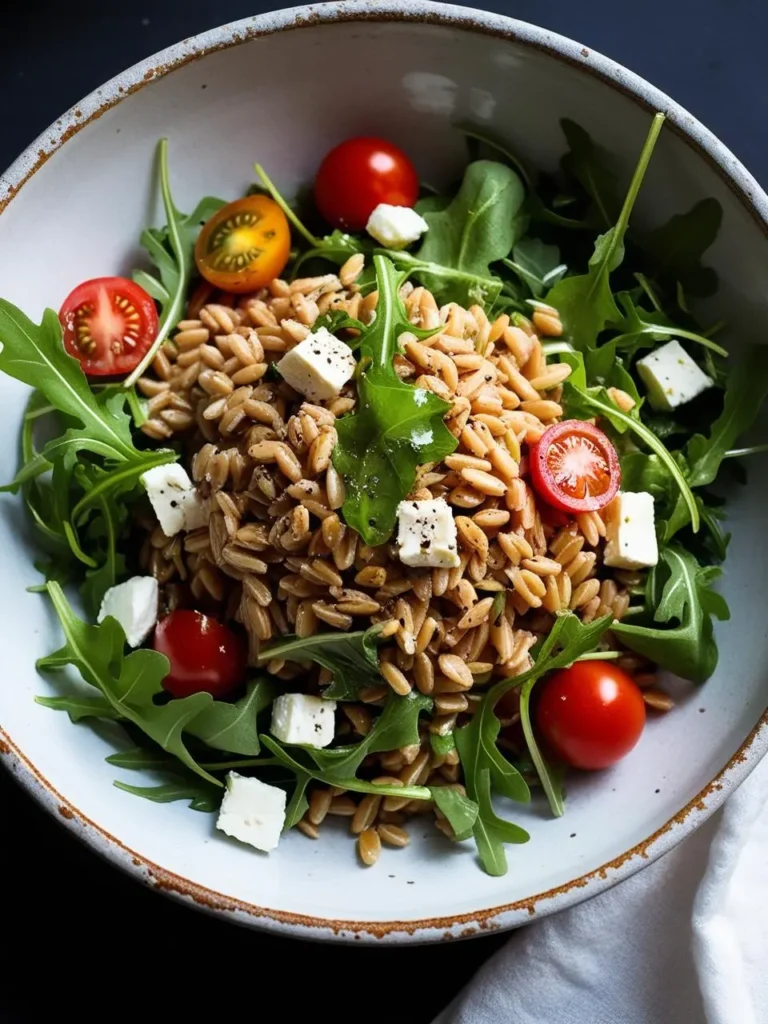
(442, 744)
(395, 427)
(201, 797)
(80, 707)
(396, 726)
(475, 230)
(351, 657)
(460, 811)
(586, 302)
(676, 628)
(585, 162)
(233, 727)
(172, 250)
(129, 683)
(298, 805)
(141, 759)
(336, 320)
(674, 250)
(536, 264)
(641, 329)
(583, 404)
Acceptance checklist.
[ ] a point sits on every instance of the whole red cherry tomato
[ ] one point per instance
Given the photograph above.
(591, 714)
(359, 174)
(205, 655)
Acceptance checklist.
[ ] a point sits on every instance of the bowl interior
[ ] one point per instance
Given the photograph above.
(279, 99)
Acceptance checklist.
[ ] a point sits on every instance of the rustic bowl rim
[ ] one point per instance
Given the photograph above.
(751, 197)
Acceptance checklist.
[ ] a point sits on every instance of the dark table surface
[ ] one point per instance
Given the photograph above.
(76, 933)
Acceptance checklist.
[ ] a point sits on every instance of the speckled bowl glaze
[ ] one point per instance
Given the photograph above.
(283, 88)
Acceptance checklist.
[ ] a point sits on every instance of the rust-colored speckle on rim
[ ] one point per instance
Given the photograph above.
(644, 96)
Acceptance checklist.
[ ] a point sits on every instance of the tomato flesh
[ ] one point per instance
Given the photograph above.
(591, 714)
(574, 467)
(359, 174)
(205, 655)
(245, 245)
(108, 324)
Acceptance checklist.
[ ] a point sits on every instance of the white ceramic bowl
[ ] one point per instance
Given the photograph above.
(282, 89)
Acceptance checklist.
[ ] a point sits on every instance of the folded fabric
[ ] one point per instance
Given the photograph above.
(685, 941)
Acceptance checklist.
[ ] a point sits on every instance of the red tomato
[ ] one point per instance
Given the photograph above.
(358, 175)
(591, 714)
(205, 655)
(574, 467)
(109, 323)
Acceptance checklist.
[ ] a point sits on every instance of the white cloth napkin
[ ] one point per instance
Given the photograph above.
(685, 941)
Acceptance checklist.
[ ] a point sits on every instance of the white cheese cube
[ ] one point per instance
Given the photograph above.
(298, 718)
(671, 376)
(631, 532)
(426, 534)
(174, 498)
(134, 605)
(252, 812)
(319, 366)
(395, 226)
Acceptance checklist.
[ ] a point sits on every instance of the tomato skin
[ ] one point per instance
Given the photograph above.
(359, 174)
(244, 246)
(205, 655)
(108, 324)
(574, 444)
(591, 714)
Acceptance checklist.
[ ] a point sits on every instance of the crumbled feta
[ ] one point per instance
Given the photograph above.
(631, 532)
(297, 718)
(319, 366)
(395, 226)
(174, 498)
(671, 376)
(134, 605)
(252, 812)
(426, 534)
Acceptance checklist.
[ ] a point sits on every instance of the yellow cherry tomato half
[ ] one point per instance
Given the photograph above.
(244, 246)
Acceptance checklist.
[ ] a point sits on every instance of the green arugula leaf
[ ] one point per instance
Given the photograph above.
(79, 707)
(129, 683)
(674, 250)
(395, 428)
(234, 727)
(641, 329)
(675, 628)
(442, 745)
(476, 229)
(536, 264)
(586, 302)
(396, 726)
(351, 657)
(298, 805)
(336, 320)
(201, 797)
(460, 811)
(142, 759)
(585, 162)
(172, 250)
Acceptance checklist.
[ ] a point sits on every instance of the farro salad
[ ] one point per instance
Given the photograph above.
(386, 502)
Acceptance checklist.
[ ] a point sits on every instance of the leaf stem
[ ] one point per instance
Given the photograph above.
(634, 186)
(172, 313)
(266, 181)
(739, 453)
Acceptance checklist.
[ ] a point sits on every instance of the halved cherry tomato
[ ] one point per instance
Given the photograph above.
(245, 245)
(591, 714)
(109, 323)
(205, 655)
(358, 175)
(574, 467)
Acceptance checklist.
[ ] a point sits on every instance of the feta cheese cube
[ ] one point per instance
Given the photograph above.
(426, 534)
(252, 812)
(395, 226)
(631, 532)
(319, 366)
(671, 376)
(298, 718)
(174, 498)
(134, 605)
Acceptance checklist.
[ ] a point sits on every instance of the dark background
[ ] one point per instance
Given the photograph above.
(77, 936)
